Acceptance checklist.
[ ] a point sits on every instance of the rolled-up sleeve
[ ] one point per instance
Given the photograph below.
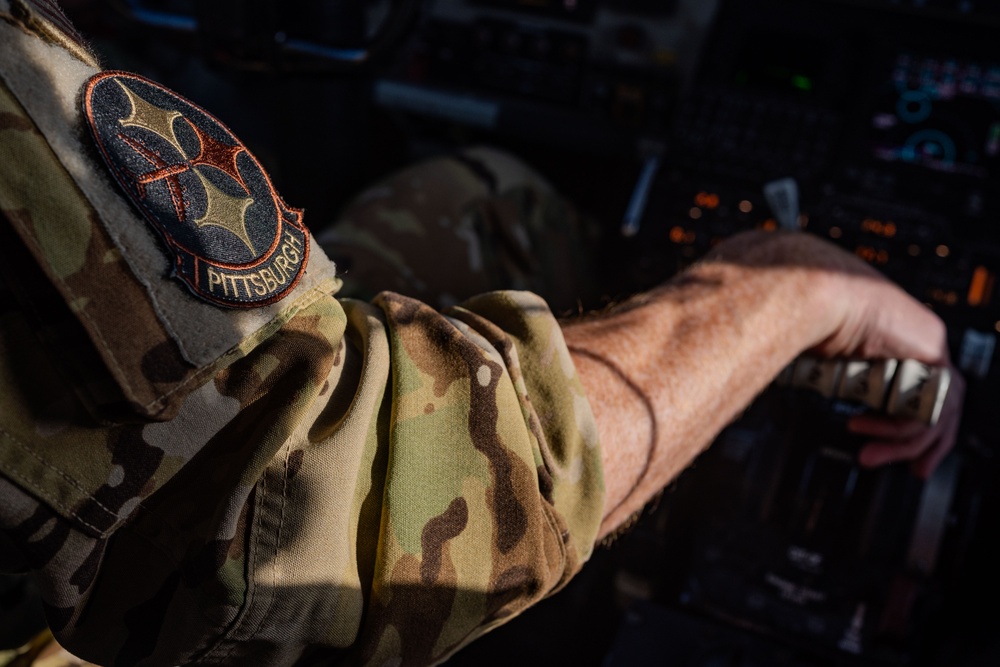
(492, 493)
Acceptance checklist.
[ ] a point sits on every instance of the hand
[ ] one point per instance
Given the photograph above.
(667, 370)
(879, 320)
(923, 445)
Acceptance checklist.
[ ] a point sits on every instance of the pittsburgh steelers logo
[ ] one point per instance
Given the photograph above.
(234, 242)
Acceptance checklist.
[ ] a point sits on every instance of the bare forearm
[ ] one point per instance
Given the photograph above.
(668, 371)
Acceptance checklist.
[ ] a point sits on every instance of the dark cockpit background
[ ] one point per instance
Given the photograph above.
(872, 123)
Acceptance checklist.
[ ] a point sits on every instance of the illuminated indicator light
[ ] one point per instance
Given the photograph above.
(981, 288)
(708, 200)
(802, 82)
(942, 251)
(835, 233)
(872, 255)
(947, 297)
(913, 250)
(769, 225)
(745, 206)
(677, 234)
(879, 228)
(695, 212)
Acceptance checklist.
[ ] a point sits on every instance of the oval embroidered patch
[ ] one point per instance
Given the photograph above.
(233, 240)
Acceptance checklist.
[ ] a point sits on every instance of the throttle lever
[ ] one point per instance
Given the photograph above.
(906, 388)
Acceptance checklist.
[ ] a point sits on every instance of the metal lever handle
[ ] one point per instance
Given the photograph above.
(904, 388)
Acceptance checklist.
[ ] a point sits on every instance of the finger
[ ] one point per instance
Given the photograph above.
(886, 428)
(881, 452)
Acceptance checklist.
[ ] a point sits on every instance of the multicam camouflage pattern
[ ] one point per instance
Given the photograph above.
(448, 229)
(366, 483)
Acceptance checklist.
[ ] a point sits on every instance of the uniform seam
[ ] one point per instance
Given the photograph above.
(277, 551)
(33, 242)
(306, 300)
(303, 302)
(25, 479)
(251, 586)
(313, 295)
(277, 543)
(281, 518)
(548, 510)
(20, 476)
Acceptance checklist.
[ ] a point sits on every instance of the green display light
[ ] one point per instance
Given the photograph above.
(802, 82)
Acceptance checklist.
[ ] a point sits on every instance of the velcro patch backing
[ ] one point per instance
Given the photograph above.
(233, 241)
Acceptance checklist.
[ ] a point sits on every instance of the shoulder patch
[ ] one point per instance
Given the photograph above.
(234, 242)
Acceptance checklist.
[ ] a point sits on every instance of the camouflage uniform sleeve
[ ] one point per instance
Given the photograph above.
(491, 498)
(332, 480)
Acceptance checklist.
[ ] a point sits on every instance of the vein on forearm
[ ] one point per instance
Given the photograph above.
(667, 370)
(647, 405)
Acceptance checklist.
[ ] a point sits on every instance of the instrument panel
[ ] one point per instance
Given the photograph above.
(873, 124)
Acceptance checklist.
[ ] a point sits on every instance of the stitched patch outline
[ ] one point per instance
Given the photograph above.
(234, 242)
